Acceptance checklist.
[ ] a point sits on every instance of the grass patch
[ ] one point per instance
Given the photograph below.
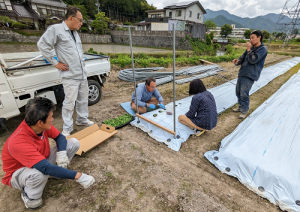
(166, 59)
(29, 32)
(109, 174)
(17, 43)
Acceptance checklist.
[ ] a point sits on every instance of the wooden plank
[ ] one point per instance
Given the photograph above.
(205, 61)
(155, 124)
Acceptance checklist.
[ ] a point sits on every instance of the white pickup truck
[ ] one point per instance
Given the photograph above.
(24, 76)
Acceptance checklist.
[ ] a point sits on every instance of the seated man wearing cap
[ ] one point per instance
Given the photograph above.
(28, 160)
(252, 63)
(145, 92)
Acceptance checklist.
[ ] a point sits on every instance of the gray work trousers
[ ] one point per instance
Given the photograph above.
(33, 181)
(75, 91)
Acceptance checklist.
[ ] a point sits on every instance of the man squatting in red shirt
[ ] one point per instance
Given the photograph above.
(28, 160)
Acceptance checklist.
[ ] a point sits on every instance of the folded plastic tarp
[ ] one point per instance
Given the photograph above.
(263, 152)
(224, 96)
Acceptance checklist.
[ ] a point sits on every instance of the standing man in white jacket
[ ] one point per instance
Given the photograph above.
(70, 61)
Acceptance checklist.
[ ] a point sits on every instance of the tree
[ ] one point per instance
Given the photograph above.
(295, 32)
(101, 23)
(226, 30)
(208, 40)
(274, 34)
(247, 33)
(279, 34)
(266, 34)
(210, 25)
(211, 35)
(283, 36)
(5, 19)
(83, 11)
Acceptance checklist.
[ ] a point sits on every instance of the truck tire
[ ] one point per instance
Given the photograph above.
(95, 92)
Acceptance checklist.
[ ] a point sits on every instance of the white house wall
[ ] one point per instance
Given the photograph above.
(195, 10)
(8, 5)
(182, 17)
(185, 13)
(34, 6)
(7, 2)
(159, 26)
(156, 13)
(167, 13)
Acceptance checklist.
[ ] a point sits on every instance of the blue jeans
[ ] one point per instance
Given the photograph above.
(243, 87)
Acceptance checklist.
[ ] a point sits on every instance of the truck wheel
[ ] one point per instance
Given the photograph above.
(95, 92)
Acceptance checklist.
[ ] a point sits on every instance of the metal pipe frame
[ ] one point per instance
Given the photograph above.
(132, 62)
(174, 88)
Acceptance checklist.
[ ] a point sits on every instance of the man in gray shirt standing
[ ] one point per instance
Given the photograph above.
(67, 45)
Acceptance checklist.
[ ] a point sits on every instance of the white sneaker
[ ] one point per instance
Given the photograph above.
(87, 123)
(31, 203)
(66, 133)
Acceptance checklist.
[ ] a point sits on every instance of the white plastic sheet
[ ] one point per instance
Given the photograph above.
(224, 96)
(263, 152)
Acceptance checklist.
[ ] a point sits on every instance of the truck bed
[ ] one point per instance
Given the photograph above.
(27, 81)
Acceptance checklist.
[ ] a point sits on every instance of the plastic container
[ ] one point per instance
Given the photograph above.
(169, 109)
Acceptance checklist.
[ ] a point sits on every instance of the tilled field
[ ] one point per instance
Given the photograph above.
(134, 172)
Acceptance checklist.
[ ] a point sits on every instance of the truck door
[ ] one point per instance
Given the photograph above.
(8, 105)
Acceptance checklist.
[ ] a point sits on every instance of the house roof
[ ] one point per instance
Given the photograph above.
(152, 11)
(24, 11)
(184, 5)
(56, 3)
(8, 13)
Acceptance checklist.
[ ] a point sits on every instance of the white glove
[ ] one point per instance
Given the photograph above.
(86, 180)
(62, 159)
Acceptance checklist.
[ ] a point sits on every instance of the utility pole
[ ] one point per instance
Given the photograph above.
(293, 14)
(98, 5)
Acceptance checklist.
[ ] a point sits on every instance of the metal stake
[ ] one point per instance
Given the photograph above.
(174, 89)
(130, 39)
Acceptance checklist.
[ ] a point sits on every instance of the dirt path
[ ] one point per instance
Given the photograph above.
(134, 172)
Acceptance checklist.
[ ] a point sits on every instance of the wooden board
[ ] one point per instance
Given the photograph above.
(155, 124)
(205, 61)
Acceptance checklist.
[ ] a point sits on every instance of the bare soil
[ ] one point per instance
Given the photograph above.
(134, 172)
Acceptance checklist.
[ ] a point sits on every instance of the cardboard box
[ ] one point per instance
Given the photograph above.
(92, 136)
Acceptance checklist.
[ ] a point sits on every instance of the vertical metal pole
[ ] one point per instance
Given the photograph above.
(136, 103)
(174, 89)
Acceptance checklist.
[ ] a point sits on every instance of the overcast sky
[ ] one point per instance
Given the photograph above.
(242, 8)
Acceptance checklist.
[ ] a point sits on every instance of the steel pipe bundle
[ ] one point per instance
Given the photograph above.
(162, 81)
(198, 69)
(142, 74)
(200, 76)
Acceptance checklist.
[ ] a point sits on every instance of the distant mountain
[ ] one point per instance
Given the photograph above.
(220, 20)
(261, 24)
(274, 17)
(213, 14)
(266, 22)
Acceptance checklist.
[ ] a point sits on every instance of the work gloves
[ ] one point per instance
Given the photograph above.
(62, 159)
(152, 106)
(161, 105)
(86, 180)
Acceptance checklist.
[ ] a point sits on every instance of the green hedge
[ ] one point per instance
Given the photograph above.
(84, 29)
(18, 25)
